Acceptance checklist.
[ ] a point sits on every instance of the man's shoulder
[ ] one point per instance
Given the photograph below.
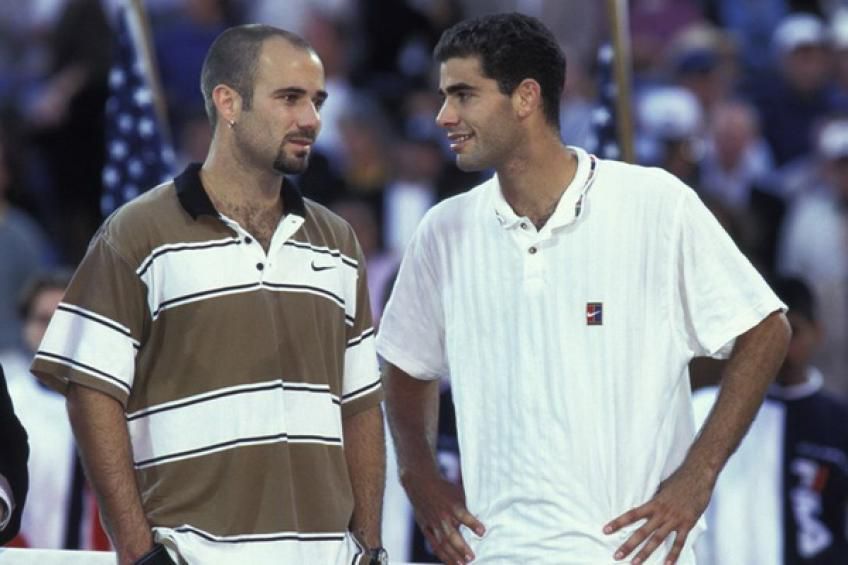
(460, 209)
(635, 179)
(150, 220)
(138, 213)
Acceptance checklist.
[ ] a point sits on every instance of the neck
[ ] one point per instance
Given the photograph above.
(231, 180)
(533, 183)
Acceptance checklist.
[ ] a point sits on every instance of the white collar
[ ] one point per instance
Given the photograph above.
(812, 385)
(571, 202)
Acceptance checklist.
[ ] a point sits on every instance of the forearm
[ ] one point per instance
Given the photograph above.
(100, 429)
(413, 413)
(365, 451)
(756, 357)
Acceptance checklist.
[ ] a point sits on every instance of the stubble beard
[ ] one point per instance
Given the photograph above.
(291, 165)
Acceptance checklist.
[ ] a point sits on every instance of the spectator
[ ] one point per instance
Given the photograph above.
(814, 246)
(66, 121)
(23, 248)
(671, 131)
(802, 93)
(783, 496)
(59, 514)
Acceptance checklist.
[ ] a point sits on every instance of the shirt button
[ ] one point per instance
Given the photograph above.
(248, 241)
(524, 225)
(532, 250)
(259, 266)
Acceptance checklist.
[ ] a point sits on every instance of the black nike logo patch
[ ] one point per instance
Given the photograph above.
(320, 268)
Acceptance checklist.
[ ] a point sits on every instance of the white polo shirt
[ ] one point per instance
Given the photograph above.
(567, 349)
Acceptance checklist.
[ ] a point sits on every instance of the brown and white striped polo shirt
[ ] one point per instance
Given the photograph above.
(235, 367)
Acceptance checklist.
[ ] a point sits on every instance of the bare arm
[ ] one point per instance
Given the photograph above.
(413, 410)
(365, 451)
(683, 497)
(101, 432)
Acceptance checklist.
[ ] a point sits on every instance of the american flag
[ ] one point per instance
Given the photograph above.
(138, 157)
(603, 138)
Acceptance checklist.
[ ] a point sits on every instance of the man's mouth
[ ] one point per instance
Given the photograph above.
(457, 140)
(302, 141)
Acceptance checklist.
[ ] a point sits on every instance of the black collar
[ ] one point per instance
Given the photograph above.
(196, 202)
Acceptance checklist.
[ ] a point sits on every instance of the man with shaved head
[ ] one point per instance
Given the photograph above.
(215, 344)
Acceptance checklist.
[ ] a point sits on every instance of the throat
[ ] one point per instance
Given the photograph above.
(260, 223)
(541, 218)
(537, 212)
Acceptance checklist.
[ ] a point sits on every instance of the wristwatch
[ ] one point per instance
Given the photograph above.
(377, 556)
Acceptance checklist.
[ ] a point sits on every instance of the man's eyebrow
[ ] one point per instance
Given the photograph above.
(320, 94)
(454, 88)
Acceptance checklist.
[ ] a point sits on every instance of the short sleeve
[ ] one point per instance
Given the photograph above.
(362, 385)
(96, 331)
(721, 293)
(412, 328)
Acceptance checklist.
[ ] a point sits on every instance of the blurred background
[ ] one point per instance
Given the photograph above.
(745, 100)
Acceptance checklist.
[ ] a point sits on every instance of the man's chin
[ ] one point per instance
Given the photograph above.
(291, 166)
(468, 165)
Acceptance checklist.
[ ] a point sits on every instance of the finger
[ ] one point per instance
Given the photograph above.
(448, 553)
(677, 547)
(631, 516)
(436, 545)
(636, 539)
(440, 539)
(455, 539)
(652, 544)
(467, 518)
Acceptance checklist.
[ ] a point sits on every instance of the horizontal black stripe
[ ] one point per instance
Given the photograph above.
(149, 261)
(77, 364)
(332, 252)
(269, 537)
(357, 340)
(222, 394)
(375, 384)
(317, 289)
(109, 324)
(213, 291)
(233, 443)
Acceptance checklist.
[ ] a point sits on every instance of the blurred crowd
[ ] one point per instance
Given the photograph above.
(745, 100)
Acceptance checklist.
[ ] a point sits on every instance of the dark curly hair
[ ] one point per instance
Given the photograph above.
(511, 48)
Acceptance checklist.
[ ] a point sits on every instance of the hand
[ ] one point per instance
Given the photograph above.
(676, 507)
(440, 510)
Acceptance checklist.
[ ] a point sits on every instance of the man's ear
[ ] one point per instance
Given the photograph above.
(527, 98)
(227, 103)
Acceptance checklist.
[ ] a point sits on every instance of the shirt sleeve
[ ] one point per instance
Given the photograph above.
(362, 385)
(412, 329)
(721, 294)
(96, 331)
(7, 503)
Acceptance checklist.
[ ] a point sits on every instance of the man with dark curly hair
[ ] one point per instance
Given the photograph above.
(564, 298)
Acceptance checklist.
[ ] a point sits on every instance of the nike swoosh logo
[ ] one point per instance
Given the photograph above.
(592, 314)
(319, 268)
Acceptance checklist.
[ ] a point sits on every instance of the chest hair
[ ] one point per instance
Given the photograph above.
(260, 223)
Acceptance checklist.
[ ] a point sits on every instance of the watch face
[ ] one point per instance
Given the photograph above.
(379, 556)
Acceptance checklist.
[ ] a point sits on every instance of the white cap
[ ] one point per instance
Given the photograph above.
(799, 30)
(833, 140)
(669, 113)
